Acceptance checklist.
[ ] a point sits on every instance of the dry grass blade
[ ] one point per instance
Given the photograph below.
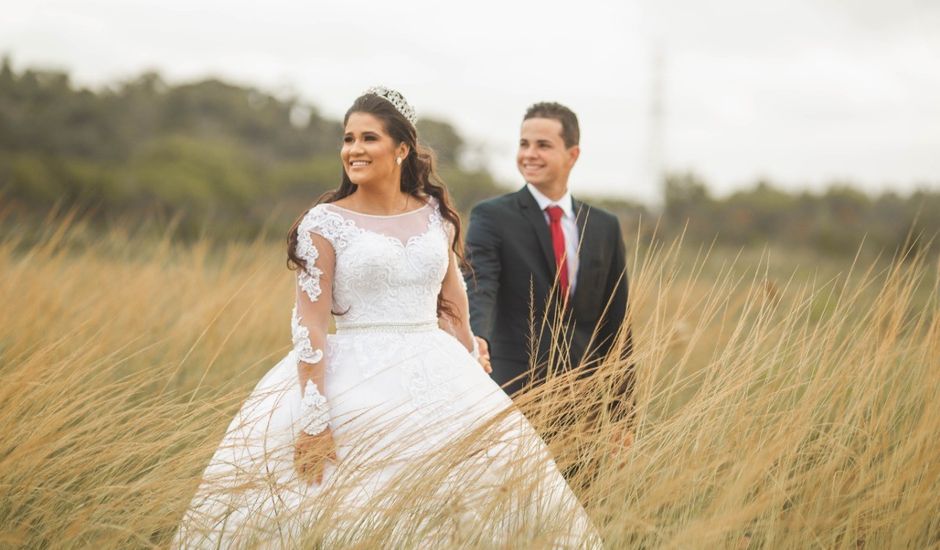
(775, 408)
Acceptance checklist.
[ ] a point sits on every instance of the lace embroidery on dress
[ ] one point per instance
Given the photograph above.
(389, 269)
(427, 387)
(434, 222)
(309, 277)
(331, 226)
(301, 338)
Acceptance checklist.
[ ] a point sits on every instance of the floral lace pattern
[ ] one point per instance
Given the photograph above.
(327, 223)
(426, 387)
(374, 353)
(301, 338)
(334, 228)
(309, 277)
(380, 279)
(314, 410)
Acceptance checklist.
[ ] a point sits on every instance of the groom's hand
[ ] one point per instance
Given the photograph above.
(484, 354)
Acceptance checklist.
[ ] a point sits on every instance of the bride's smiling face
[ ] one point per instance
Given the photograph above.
(369, 153)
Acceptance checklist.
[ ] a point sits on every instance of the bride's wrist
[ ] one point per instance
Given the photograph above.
(314, 410)
(475, 347)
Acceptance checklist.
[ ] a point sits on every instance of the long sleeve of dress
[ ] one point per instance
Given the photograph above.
(311, 315)
(454, 293)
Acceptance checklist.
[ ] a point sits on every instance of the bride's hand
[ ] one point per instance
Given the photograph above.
(311, 453)
(484, 358)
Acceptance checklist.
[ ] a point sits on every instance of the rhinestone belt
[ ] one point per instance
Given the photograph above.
(347, 328)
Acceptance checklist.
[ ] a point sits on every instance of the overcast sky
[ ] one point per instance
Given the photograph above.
(802, 92)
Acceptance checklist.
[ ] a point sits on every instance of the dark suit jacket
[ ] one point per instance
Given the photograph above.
(509, 248)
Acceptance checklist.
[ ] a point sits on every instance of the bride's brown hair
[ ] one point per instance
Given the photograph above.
(419, 178)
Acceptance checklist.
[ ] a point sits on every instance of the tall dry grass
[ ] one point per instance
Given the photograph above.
(776, 407)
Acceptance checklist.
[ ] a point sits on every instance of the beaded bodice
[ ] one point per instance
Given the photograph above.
(388, 269)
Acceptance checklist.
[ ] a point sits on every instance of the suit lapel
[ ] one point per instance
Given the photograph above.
(531, 212)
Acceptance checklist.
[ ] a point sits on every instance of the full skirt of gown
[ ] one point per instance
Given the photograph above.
(431, 453)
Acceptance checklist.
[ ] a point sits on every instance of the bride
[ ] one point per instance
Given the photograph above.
(389, 430)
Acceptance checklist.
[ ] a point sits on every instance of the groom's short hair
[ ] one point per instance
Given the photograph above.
(570, 132)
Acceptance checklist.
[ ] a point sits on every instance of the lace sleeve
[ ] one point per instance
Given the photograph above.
(454, 292)
(310, 319)
(451, 233)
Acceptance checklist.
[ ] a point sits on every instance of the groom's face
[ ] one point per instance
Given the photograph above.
(542, 159)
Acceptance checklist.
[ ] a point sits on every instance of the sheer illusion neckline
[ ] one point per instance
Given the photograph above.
(402, 230)
(357, 213)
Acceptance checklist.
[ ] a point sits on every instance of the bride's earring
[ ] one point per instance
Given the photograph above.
(398, 160)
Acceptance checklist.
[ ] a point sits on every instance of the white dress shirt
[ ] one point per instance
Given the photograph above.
(569, 226)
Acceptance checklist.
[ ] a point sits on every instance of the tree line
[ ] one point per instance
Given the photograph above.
(212, 157)
(837, 220)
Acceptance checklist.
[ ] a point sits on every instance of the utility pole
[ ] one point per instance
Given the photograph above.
(656, 155)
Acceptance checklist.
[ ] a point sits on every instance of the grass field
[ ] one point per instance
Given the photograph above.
(783, 400)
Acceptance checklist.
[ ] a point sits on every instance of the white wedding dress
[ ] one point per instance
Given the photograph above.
(430, 450)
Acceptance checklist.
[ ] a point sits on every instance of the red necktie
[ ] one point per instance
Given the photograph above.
(558, 243)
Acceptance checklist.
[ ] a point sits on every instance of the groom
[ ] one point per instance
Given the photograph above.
(541, 257)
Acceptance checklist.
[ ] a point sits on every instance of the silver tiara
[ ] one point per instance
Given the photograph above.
(396, 99)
